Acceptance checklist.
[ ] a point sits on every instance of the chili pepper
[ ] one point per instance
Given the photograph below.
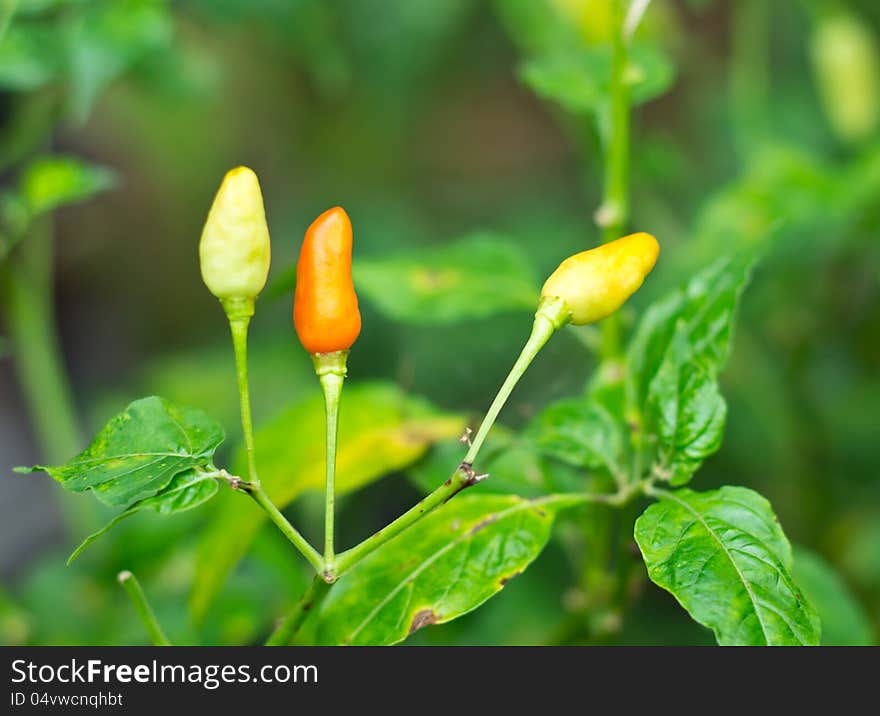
(585, 288)
(234, 249)
(325, 307)
(594, 284)
(846, 61)
(328, 322)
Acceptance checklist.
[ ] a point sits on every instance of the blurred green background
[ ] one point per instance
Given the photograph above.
(432, 123)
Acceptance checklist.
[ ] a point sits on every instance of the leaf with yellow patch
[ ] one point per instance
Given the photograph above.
(381, 430)
(443, 567)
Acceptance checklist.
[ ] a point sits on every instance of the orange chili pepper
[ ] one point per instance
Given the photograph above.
(325, 306)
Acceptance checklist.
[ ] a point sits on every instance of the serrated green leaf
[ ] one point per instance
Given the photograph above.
(844, 621)
(54, 181)
(185, 491)
(579, 432)
(474, 277)
(381, 430)
(139, 451)
(580, 79)
(724, 557)
(687, 411)
(443, 567)
(703, 311)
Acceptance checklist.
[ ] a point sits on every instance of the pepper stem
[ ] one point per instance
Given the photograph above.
(331, 371)
(552, 314)
(146, 614)
(239, 312)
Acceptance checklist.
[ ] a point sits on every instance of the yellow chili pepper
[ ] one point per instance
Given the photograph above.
(234, 249)
(846, 61)
(594, 284)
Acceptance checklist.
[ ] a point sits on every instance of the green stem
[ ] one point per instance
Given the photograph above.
(133, 588)
(463, 477)
(239, 312)
(331, 371)
(255, 490)
(293, 620)
(7, 12)
(749, 80)
(551, 315)
(613, 214)
(31, 324)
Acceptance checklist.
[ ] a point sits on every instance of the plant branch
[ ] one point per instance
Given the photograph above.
(293, 620)
(30, 314)
(550, 316)
(255, 490)
(139, 600)
(463, 477)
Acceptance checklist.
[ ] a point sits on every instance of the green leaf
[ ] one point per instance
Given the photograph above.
(844, 621)
(474, 277)
(779, 184)
(185, 491)
(444, 566)
(687, 411)
(29, 57)
(703, 312)
(579, 432)
(139, 451)
(54, 181)
(106, 39)
(580, 79)
(381, 430)
(724, 557)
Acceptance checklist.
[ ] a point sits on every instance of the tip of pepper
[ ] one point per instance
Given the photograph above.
(239, 170)
(336, 215)
(336, 212)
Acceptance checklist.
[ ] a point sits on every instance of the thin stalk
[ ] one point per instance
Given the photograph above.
(30, 318)
(288, 530)
(331, 371)
(613, 214)
(550, 316)
(463, 477)
(293, 620)
(139, 600)
(239, 312)
(332, 387)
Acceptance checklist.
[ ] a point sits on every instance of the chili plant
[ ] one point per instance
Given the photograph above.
(721, 553)
(651, 414)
